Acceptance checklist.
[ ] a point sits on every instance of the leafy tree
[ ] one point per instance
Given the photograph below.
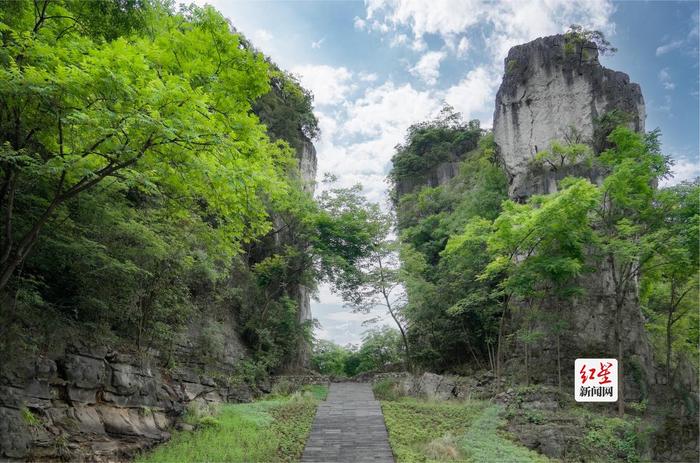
(670, 283)
(430, 143)
(378, 283)
(380, 347)
(77, 111)
(287, 109)
(623, 222)
(535, 250)
(580, 39)
(329, 358)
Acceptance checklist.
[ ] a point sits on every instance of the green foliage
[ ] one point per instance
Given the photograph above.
(147, 163)
(613, 439)
(578, 38)
(381, 347)
(444, 431)
(29, 418)
(329, 358)
(287, 109)
(669, 287)
(135, 171)
(267, 431)
(430, 143)
(441, 332)
(560, 154)
(387, 389)
(484, 442)
(469, 258)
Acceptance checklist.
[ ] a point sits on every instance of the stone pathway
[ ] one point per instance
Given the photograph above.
(349, 427)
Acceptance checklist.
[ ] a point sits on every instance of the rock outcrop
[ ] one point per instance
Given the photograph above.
(552, 90)
(307, 170)
(558, 91)
(90, 403)
(435, 176)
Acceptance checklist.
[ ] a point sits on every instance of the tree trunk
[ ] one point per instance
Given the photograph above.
(409, 367)
(499, 347)
(527, 363)
(620, 378)
(669, 327)
(620, 382)
(559, 360)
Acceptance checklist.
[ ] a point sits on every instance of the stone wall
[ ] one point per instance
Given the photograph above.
(94, 404)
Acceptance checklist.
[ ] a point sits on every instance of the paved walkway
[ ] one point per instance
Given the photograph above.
(349, 427)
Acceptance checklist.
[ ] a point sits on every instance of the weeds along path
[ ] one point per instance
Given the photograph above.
(348, 427)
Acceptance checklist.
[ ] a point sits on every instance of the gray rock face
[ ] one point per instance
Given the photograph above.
(554, 92)
(94, 405)
(547, 89)
(308, 166)
(307, 171)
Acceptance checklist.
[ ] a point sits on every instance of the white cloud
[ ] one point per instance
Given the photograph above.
(463, 46)
(683, 170)
(263, 35)
(503, 24)
(663, 49)
(367, 76)
(387, 108)
(419, 44)
(359, 23)
(665, 79)
(473, 95)
(318, 43)
(330, 85)
(399, 39)
(428, 67)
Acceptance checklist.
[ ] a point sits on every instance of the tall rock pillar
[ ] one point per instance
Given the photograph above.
(550, 91)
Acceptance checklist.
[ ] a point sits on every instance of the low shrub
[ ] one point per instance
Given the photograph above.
(387, 389)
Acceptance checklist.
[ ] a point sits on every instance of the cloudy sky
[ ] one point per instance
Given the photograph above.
(375, 67)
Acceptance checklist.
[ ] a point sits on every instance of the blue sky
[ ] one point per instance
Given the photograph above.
(378, 66)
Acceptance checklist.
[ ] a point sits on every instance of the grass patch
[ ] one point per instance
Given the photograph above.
(433, 431)
(419, 430)
(266, 431)
(318, 392)
(612, 439)
(484, 442)
(387, 389)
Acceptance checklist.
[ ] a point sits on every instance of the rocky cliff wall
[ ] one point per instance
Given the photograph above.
(551, 91)
(307, 171)
(96, 404)
(438, 175)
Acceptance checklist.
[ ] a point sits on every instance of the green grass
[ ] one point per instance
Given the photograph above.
(317, 392)
(266, 431)
(386, 389)
(424, 431)
(483, 442)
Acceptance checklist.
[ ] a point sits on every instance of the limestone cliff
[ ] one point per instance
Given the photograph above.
(307, 170)
(554, 91)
